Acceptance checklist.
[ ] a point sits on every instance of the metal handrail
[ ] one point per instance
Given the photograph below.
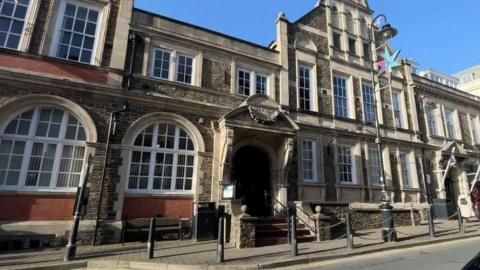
(296, 207)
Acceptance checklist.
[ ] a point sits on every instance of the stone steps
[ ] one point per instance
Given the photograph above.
(274, 231)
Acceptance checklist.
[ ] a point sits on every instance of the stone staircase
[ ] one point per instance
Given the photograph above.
(274, 231)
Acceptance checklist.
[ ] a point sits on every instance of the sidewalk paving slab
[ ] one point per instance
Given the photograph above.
(192, 255)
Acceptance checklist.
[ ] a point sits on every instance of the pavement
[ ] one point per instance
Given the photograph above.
(191, 255)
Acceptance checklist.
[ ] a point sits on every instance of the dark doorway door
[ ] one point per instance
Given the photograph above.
(251, 173)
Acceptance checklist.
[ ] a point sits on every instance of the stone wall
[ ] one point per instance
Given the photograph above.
(99, 106)
(216, 75)
(316, 18)
(325, 96)
(465, 128)
(387, 108)
(371, 219)
(185, 92)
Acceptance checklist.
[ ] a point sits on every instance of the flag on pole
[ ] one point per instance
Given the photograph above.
(452, 159)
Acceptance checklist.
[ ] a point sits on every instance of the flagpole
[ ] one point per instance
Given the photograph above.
(451, 160)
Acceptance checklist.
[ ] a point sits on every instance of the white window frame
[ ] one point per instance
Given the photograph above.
(339, 164)
(177, 65)
(398, 100)
(367, 103)
(170, 67)
(474, 128)
(339, 40)
(374, 156)
(261, 75)
(58, 26)
(174, 63)
(152, 163)
(346, 110)
(249, 82)
(31, 139)
(355, 51)
(314, 161)
(407, 180)
(28, 20)
(310, 87)
(450, 133)
(431, 119)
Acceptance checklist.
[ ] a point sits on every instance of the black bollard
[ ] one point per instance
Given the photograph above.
(289, 230)
(151, 239)
(294, 244)
(220, 241)
(461, 228)
(349, 232)
(431, 225)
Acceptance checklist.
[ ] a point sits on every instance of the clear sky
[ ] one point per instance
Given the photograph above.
(439, 34)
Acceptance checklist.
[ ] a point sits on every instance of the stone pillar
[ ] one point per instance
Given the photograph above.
(323, 225)
(244, 230)
(146, 56)
(282, 47)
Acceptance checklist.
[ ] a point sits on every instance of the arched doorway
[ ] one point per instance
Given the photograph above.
(251, 174)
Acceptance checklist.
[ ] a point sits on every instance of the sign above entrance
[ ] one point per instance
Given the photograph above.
(266, 116)
(228, 192)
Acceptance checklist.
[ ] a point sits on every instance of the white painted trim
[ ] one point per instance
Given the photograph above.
(100, 30)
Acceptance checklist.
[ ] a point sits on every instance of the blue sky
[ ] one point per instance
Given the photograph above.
(439, 34)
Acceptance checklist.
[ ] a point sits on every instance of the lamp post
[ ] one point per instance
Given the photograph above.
(385, 33)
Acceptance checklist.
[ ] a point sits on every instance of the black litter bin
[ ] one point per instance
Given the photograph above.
(204, 221)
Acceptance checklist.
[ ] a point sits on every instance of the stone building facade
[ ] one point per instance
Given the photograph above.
(289, 122)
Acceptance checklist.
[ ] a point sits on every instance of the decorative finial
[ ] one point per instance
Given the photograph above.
(282, 16)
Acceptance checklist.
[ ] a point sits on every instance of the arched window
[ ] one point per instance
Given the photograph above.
(162, 160)
(42, 148)
(335, 18)
(364, 28)
(350, 23)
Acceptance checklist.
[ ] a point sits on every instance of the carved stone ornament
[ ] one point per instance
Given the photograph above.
(266, 116)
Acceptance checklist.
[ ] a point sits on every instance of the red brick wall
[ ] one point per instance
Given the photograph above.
(152, 206)
(35, 208)
(53, 67)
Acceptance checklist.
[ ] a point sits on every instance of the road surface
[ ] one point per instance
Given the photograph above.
(444, 256)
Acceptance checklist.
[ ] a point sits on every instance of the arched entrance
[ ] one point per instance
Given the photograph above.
(251, 175)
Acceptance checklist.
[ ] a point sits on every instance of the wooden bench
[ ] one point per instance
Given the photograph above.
(141, 226)
(26, 241)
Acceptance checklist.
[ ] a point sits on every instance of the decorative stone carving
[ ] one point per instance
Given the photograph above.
(266, 116)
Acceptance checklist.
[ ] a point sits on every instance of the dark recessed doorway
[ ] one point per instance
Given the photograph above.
(251, 174)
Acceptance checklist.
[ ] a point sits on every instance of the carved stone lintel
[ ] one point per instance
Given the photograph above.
(261, 115)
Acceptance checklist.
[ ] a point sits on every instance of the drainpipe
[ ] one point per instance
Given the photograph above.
(111, 131)
(133, 38)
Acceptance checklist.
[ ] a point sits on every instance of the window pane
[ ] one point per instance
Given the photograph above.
(81, 22)
(172, 160)
(12, 20)
(184, 69)
(304, 88)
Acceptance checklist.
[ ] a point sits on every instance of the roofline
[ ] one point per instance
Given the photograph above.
(466, 70)
(431, 70)
(204, 29)
(454, 91)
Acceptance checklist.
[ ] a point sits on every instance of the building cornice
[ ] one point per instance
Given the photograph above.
(440, 90)
(163, 101)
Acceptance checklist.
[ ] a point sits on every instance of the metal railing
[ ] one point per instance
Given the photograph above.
(287, 209)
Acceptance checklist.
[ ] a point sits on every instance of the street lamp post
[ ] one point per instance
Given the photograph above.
(387, 32)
